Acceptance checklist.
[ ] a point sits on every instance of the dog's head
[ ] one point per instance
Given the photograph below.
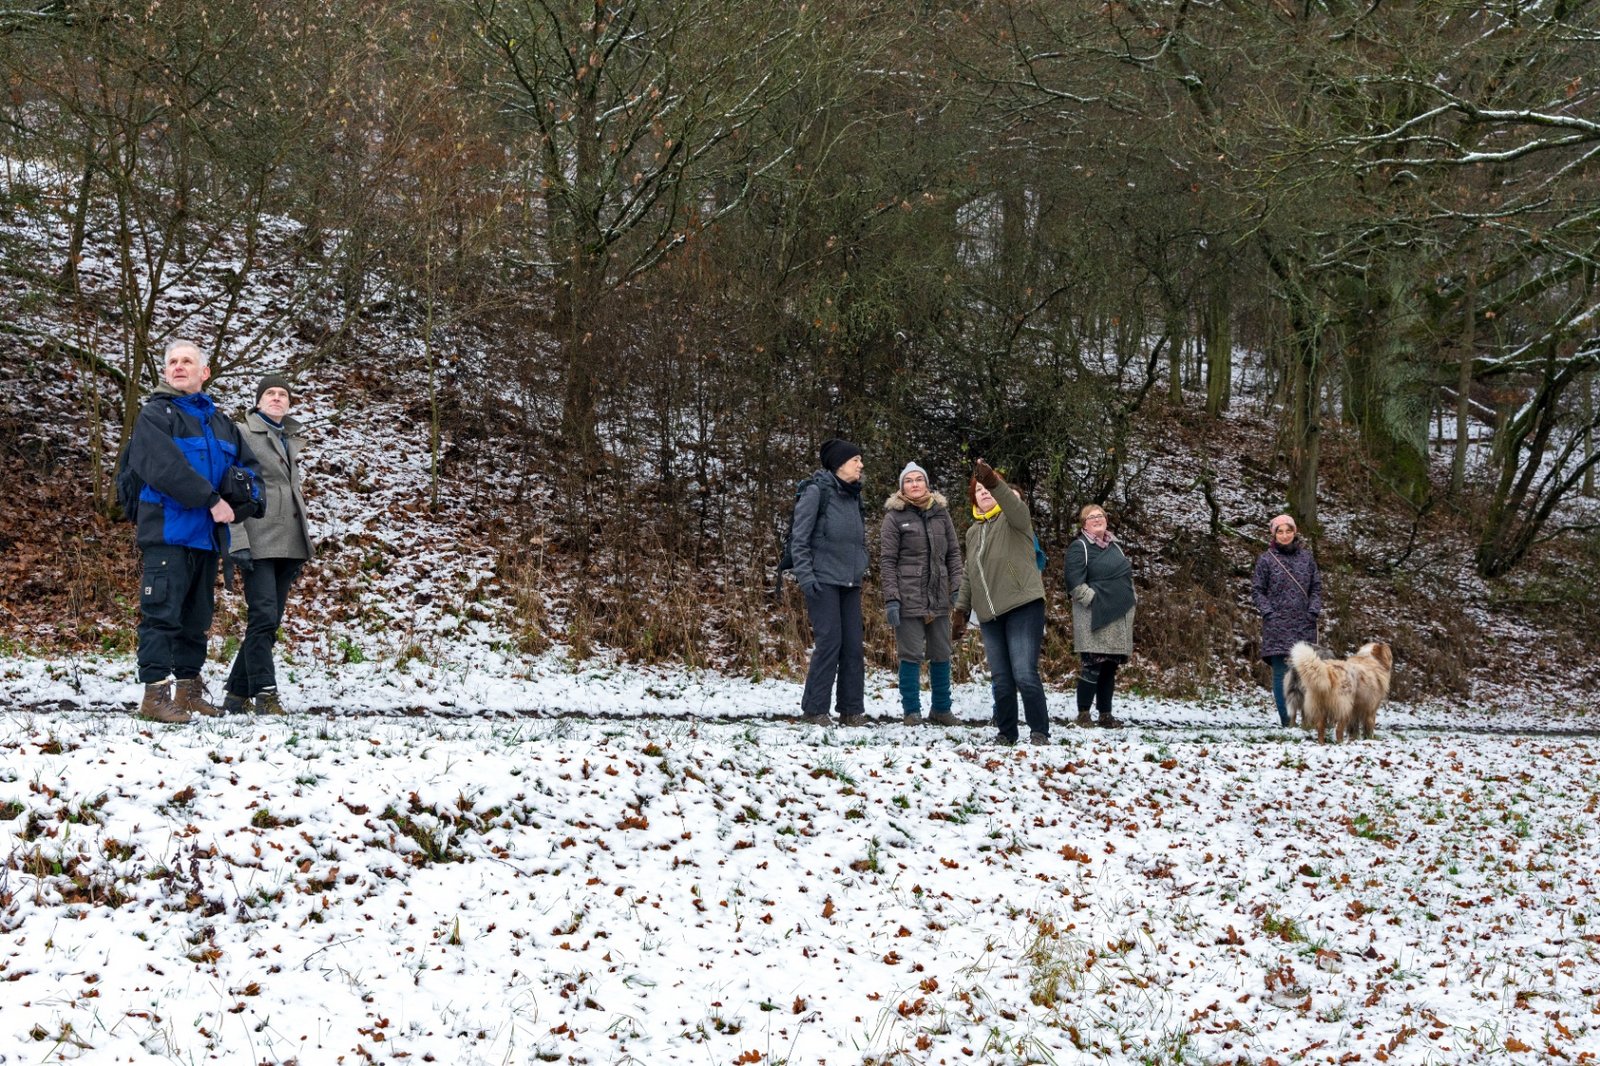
(1380, 654)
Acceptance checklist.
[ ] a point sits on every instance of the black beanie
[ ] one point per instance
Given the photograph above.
(835, 453)
(273, 381)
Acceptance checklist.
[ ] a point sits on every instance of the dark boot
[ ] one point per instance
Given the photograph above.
(233, 703)
(157, 705)
(943, 718)
(1085, 701)
(189, 695)
(267, 702)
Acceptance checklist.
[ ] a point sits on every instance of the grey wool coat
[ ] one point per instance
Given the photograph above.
(919, 556)
(1094, 573)
(1287, 589)
(284, 531)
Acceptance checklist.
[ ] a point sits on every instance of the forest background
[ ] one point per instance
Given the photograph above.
(628, 262)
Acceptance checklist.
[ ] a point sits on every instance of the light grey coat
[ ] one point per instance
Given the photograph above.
(284, 532)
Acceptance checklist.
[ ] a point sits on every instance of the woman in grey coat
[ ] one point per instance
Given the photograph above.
(1100, 581)
(268, 551)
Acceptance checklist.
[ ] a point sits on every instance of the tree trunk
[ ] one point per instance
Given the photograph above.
(1218, 327)
(1469, 344)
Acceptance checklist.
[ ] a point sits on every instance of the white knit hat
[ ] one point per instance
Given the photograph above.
(911, 468)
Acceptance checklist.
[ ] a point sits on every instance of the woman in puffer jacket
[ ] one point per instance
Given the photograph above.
(1004, 588)
(919, 568)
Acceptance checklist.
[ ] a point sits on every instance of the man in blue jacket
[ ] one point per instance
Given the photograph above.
(181, 448)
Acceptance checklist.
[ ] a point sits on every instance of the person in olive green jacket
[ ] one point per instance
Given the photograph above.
(1004, 587)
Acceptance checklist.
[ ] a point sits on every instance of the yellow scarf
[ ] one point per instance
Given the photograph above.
(985, 516)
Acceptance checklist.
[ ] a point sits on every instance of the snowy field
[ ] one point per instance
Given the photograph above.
(679, 876)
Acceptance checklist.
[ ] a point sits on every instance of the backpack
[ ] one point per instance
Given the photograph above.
(129, 485)
(786, 560)
(1040, 559)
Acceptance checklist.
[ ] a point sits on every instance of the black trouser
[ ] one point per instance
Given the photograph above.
(266, 590)
(837, 654)
(177, 592)
(1097, 679)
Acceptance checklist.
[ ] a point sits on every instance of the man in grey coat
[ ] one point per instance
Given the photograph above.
(829, 544)
(268, 551)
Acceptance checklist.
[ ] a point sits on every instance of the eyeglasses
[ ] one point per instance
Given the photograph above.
(1093, 517)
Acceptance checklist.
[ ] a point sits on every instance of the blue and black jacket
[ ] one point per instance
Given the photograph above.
(181, 448)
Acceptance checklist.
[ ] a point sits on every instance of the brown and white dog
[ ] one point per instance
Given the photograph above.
(1343, 693)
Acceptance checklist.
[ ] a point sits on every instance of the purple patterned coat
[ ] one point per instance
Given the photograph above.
(1289, 606)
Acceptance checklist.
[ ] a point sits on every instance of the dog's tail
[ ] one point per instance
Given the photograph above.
(1315, 674)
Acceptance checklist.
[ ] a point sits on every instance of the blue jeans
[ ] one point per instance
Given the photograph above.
(1280, 671)
(1011, 642)
(837, 656)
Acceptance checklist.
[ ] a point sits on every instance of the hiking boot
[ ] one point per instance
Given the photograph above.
(267, 702)
(1084, 720)
(189, 695)
(233, 703)
(943, 718)
(853, 721)
(911, 719)
(1038, 739)
(1105, 721)
(812, 719)
(157, 705)
(1005, 741)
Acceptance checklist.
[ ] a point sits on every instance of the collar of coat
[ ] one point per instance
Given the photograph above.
(258, 422)
(898, 502)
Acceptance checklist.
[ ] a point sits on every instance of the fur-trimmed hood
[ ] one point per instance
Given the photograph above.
(898, 502)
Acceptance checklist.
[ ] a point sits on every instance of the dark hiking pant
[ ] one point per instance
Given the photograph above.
(837, 657)
(177, 593)
(266, 590)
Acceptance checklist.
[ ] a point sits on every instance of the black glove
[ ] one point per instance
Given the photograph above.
(985, 475)
(891, 611)
(242, 560)
(810, 588)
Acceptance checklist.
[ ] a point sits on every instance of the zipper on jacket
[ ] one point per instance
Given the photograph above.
(982, 553)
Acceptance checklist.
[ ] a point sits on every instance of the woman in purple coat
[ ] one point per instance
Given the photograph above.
(1287, 588)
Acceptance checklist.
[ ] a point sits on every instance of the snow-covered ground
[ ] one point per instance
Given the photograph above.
(715, 886)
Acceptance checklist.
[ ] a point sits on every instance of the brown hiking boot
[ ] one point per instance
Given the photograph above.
(943, 718)
(1084, 720)
(853, 721)
(157, 705)
(1105, 721)
(189, 695)
(267, 702)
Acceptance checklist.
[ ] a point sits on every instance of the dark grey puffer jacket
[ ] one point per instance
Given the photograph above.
(829, 544)
(919, 556)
